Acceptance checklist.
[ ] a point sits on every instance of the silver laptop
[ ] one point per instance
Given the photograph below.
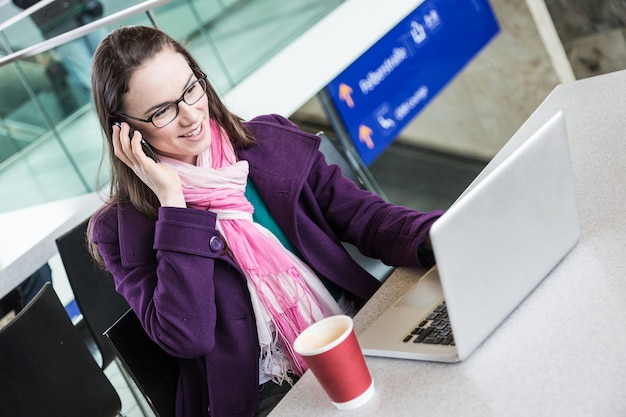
(496, 243)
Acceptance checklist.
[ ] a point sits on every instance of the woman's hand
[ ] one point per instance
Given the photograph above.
(161, 179)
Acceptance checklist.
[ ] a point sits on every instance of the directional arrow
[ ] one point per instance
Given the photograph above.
(345, 94)
(365, 136)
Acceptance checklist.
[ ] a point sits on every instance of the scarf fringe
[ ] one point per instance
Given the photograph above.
(291, 306)
(275, 363)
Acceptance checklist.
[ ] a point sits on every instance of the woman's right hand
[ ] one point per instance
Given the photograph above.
(161, 179)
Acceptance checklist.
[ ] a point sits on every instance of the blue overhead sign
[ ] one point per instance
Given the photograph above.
(379, 94)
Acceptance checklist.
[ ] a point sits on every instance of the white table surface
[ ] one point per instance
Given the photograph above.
(27, 237)
(562, 352)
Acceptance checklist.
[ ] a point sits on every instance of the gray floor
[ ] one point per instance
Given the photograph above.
(423, 179)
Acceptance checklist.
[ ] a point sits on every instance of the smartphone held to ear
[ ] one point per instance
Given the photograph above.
(147, 149)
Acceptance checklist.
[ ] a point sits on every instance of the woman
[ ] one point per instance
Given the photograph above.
(229, 245)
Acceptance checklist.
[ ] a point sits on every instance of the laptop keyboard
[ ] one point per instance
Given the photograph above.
(434, 329)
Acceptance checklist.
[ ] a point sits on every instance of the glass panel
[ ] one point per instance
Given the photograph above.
(257, 30)
(210, 10)
(50, 138)
(15, 137)
(25, 89)
(80, 137)
(42, 173)
(21, 34)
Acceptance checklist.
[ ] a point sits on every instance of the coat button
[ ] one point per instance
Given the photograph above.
(216, 244)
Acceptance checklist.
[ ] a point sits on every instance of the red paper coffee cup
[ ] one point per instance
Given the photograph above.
(332, 352)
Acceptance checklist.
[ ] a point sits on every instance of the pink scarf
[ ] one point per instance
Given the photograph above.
(286, 295)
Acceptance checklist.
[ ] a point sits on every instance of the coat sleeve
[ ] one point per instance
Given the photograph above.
(166, 270)
(379, 229)
(389, 232)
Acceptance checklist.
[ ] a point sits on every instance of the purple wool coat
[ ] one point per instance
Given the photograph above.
(192, 298)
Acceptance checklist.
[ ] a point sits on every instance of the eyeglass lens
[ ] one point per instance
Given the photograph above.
(168, 113)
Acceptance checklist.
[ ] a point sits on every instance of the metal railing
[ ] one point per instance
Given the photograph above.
(18, 17)
(49, 44)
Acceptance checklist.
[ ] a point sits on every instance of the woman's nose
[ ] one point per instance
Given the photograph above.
(188, 114)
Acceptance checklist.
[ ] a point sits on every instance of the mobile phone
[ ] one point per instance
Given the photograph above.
(147, 149)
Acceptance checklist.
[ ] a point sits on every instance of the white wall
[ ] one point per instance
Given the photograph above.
(305, 66)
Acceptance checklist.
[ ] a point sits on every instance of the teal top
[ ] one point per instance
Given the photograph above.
(263, 217)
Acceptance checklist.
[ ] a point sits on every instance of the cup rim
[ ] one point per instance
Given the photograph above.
(321, 323)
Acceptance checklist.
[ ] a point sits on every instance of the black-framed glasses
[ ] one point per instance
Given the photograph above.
(168, 112)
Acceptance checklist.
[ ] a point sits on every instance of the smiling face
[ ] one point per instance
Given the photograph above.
(161, 80)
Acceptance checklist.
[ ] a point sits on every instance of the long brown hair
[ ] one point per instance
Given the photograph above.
(116, 59)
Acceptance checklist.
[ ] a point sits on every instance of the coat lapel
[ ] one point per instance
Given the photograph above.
(279, 166)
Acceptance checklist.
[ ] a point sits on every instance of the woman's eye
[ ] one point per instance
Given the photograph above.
(161, 112)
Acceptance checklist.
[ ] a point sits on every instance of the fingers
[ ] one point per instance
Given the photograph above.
(118, 148)
(126, 148)
(162, 180)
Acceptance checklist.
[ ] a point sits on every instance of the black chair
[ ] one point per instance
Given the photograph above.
(45, 368)
(351, 166)
(93, 288)
(98, 301)
(362, 178)
(153, 370)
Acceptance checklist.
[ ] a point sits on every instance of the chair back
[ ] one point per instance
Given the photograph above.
(153, 370)
(334, 156)
(93, 288)
(46, 369)
(362, 178)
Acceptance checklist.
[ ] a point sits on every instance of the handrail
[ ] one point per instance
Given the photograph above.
(27, 12)
(81, 31)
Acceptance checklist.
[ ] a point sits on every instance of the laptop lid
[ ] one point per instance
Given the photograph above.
(504, 235)
(493, 246)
